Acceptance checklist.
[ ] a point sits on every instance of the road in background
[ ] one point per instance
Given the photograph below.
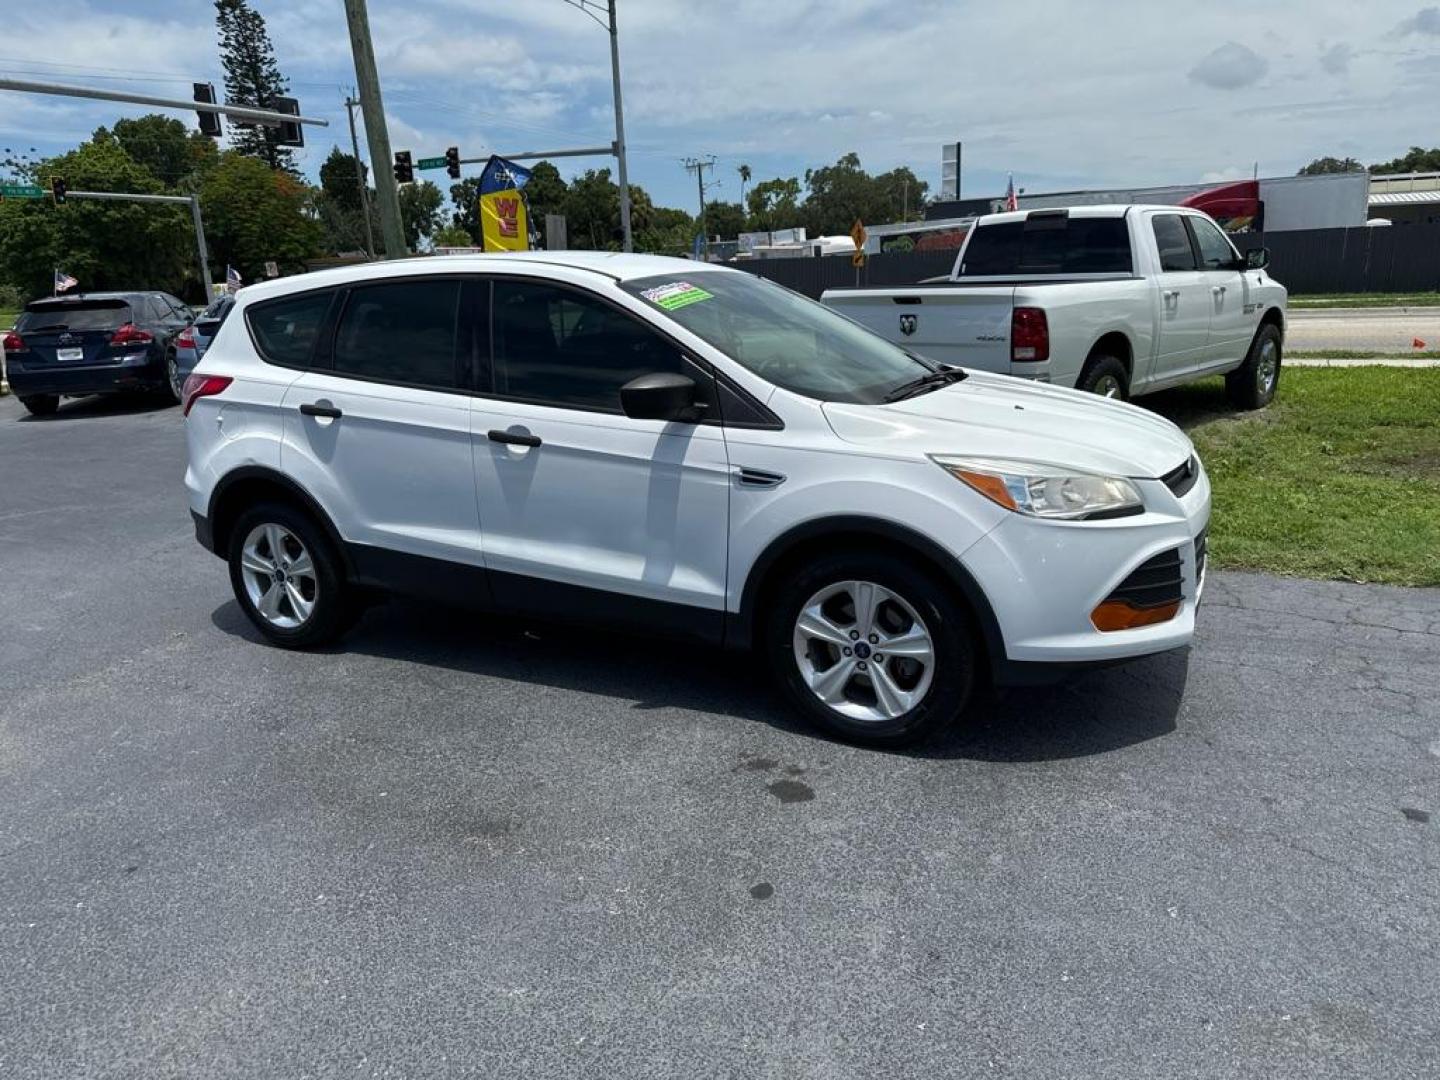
(458, 847)
(1387, 330)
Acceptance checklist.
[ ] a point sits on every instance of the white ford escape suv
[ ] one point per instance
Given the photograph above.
(649, 442)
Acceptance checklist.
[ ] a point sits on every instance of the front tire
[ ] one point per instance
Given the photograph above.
(1106, 376)
(1253, 384)
(287, 577)
(870, 649)
(41, 404)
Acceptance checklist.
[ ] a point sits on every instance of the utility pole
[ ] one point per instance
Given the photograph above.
(376, 133)
(698, 167)
(350, 103)
(628, 241)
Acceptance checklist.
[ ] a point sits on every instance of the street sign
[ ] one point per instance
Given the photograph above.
(21, 191)
(858, 234)
(857, 260)
(431, 163)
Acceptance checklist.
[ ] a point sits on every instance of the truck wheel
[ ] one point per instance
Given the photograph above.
(870, 649)
(41, 404)
(1252, 385)
(1105, 375)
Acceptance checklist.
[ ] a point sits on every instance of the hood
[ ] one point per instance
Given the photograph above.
(999, 417)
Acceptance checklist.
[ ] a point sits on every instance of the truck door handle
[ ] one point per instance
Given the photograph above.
(1218, 290)
(320, 409)
(514, 438)
(1171, 294)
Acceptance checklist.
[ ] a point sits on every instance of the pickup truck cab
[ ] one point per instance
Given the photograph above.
(1118, 300)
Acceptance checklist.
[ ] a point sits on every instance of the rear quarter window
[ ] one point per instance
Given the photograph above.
(285, 330)
(1049, 245)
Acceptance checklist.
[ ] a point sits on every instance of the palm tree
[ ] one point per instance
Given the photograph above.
(744, 172)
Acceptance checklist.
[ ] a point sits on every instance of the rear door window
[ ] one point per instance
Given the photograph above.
(287, 329)
(401, 332)
(90, 315)
(1049, 244)
(1173, 243)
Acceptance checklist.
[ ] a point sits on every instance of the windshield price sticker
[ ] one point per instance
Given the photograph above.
(677, 294)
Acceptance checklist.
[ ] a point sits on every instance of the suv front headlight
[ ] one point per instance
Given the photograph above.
(1045, 491)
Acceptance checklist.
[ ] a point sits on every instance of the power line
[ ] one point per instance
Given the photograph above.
(698, 167)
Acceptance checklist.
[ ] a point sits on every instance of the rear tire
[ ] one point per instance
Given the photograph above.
(831, 659)
(173, 382)
(1253, 384)
(287, 577)
(1106, 376)
(41, 404)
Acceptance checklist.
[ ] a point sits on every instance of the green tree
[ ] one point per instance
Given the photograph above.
(175, 155)
(251, 78)
(774, 204)
(545, 193)
(254, 213)
(466, 198)
(725, 220)
(342, 230)
(106, 245)
(419, 211)
(670, 232)
(452, 236)
(592, 207)
(836, 195)
(337, 178)
(1322, 165)
(745, 174)
(1417, 160)
(902, 195)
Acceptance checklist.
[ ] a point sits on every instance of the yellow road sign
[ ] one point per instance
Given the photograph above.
(858, 233)
(857, 260)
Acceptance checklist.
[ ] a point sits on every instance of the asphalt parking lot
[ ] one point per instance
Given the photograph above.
(453, 847)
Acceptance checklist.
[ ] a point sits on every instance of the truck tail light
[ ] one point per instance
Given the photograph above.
(198, 386)
(14, 342)
(1029, 335)
(130, 334)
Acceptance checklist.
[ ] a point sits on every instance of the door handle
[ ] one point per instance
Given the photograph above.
(1218, 290)
(318, 409)
(514, 438)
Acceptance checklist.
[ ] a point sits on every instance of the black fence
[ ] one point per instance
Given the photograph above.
(1397, 258)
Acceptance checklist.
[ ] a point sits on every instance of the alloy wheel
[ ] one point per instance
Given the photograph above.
(279, 576)
(864, 651)
(1268, 368)
(1107, 386)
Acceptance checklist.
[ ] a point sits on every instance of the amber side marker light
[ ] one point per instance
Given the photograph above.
(1118, 615)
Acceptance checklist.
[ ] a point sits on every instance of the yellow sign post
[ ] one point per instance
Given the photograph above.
(858, 234)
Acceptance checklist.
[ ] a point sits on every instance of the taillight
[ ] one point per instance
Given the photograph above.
(14, 342)
(1029, 335)
(130, 334)
(186, 339)
(198, 386)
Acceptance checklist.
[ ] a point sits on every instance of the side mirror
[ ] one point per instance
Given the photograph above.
(1257, 258)
(659, 396)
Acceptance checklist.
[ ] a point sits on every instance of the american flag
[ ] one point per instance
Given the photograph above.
(232, 278)
(63, 281)
(1011, 202)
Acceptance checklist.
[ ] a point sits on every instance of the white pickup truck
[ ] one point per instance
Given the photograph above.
(1118, 300)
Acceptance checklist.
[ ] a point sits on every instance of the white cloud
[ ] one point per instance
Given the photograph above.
(1336, 59)
(1232, 66)
(1424, 21)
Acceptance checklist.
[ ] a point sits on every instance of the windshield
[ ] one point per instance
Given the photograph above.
(781, 336)
(92, 315)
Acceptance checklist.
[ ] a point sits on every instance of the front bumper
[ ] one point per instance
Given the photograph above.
(135, 371)
(1044, 578)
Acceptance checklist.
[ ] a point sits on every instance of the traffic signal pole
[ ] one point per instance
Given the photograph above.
(192, 201)
(377, 135)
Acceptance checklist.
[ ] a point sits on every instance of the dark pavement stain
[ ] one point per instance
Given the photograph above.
(1410, 812)
(756, 764)
(763, 891)
(790, 791)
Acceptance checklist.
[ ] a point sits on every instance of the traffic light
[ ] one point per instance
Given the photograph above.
(209, 121)
(404, 171)
(452, 162)
(58, 189)
(290, 134)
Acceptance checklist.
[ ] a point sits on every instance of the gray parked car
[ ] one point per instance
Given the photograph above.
(190, 346)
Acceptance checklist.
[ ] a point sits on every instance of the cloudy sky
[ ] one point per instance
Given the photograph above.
(1063, 94)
